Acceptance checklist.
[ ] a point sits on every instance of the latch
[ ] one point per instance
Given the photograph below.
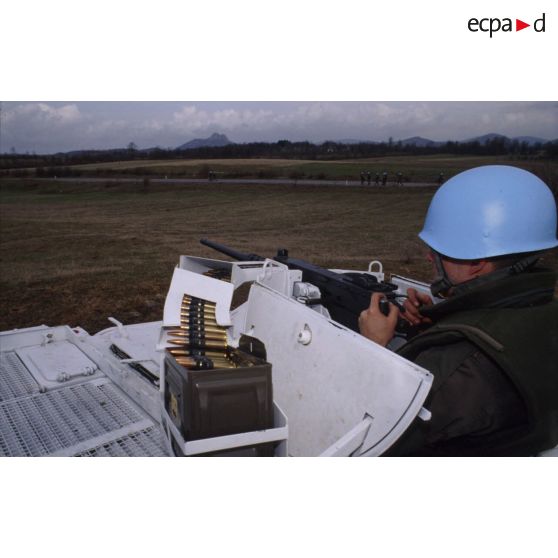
(306, 293)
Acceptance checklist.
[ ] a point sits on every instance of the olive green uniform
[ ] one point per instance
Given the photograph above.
(493, 351)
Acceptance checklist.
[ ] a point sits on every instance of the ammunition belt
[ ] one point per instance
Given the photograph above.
(199, 343)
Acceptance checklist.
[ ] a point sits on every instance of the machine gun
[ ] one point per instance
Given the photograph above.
(345, 295)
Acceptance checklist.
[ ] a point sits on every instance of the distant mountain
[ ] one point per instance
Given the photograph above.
(350, 141)
(483, 140)
(214, 140)
(420, 142)
(530, 140)
(81, 152)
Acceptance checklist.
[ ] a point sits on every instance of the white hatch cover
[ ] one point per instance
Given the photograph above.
(56, 363)
(328, 379)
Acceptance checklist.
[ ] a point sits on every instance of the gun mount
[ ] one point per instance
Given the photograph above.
(345, 295)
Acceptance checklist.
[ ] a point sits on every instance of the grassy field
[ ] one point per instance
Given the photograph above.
(414, 168)
(78, 253)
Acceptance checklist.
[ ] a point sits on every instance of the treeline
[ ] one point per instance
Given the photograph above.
(328, 151)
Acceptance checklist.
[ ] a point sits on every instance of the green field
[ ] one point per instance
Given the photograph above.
(76, 253)
(414, 168)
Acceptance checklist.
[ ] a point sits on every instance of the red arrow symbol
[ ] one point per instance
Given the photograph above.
(519, 25)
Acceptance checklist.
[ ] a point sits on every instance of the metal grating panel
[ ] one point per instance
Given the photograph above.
(54, 422)
(15, 379)
(146, 443)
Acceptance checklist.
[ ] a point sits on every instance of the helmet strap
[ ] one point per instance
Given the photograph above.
(525, 263)
(518, 267)
(442, 283)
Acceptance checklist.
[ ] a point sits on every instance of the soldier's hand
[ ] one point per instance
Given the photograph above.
(374, 325)
(416, 299)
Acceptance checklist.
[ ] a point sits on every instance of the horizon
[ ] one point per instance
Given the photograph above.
(346, 141)
(59, 127)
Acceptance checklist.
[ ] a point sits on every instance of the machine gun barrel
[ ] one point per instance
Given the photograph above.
(240, 256)
(345, 295)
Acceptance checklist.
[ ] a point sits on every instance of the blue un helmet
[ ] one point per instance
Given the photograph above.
(487, 212)
(491, 211)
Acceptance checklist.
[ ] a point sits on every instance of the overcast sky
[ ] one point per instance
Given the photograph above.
(50, 127)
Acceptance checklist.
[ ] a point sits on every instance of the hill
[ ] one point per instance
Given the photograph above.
(214, 140)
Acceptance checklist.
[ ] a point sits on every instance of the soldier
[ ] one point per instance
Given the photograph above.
(384, 178)
(377, 179)
(399, 179)
(368, 177)
(362, 178)
(492, 341)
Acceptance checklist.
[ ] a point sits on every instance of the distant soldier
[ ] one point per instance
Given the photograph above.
(368, 177)
(362, 176)
(377, 179)
(399, 179)
(384, 178)
(441, 179)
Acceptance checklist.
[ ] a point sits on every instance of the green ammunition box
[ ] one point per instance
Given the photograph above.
(219, 402)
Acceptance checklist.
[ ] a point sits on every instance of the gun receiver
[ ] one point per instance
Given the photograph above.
(345, 295)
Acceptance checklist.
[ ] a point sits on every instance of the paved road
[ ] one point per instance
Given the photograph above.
(287, 181)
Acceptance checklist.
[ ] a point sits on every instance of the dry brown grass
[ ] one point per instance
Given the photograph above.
(76, 254)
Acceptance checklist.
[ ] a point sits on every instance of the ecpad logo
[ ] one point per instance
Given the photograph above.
(494, 24)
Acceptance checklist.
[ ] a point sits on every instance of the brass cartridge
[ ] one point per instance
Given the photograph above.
(196, 352)
(202, 329)
(221, 332)
(197, 317)
(206, 344)
(196, 314)
(198, 335)
(204, 363)
(192, 300)
(199, 309)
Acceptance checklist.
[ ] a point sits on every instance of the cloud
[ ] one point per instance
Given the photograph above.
(313, 121)
(50, 127)
(38, 126)
(42, 113)
(191, 120)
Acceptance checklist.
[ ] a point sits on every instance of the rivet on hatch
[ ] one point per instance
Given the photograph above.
(305, 336)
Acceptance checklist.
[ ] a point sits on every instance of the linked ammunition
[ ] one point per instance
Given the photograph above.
(201, 328)
(185, 332)
(198, 305)
(197, 324)
(220, 362)
(203, 307)
(196, 341)
(208, 344)
(196, 353)
(223, 274)
(209, 354)
(194, 364)
(198, 335)
(197, 309)
(187, 319)
(203, 363)
(195, 316)
(194, 300)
